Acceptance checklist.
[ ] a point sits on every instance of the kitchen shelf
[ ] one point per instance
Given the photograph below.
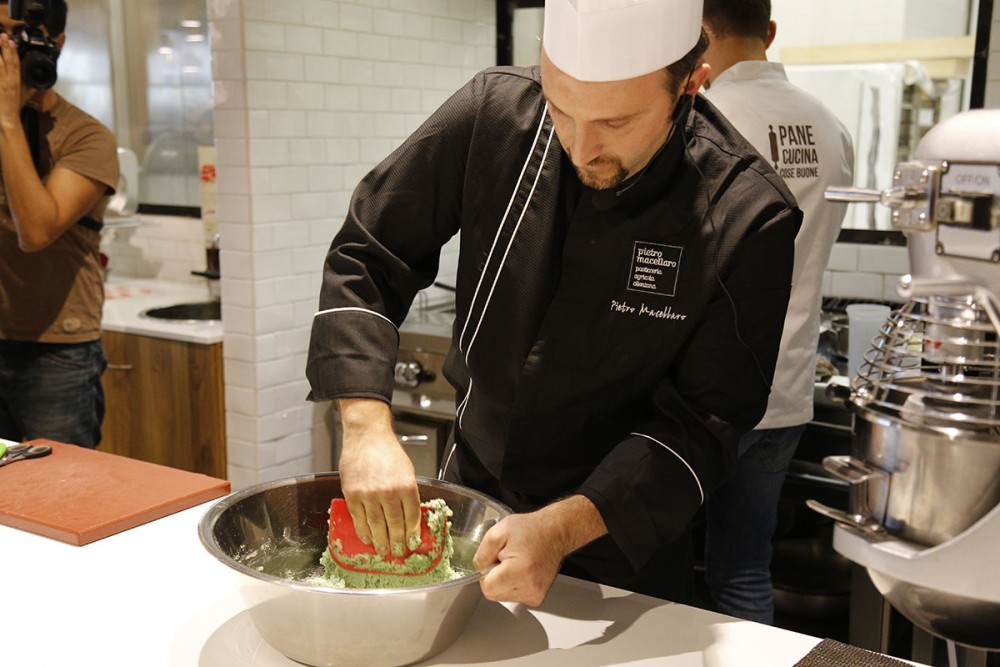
(941, 58)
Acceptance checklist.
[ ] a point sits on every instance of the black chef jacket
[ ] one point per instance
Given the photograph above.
(612, 343)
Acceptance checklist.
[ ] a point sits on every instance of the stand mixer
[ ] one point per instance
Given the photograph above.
(924, 471)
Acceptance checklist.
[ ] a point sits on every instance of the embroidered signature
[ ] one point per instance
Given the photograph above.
(665, 313)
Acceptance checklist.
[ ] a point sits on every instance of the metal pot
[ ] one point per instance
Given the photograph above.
(924, 484)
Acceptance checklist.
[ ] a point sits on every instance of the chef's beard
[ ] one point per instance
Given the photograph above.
(602, 173)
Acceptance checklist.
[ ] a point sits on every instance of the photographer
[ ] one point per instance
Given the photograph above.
(58, 167)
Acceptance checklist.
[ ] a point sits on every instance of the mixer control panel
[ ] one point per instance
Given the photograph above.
(966, 212)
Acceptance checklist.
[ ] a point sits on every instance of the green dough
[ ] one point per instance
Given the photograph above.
(393, 575)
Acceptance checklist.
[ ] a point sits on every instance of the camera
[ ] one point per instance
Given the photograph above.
(38, 53)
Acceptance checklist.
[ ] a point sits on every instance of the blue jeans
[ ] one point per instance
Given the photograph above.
(52, 391)
(741, 516)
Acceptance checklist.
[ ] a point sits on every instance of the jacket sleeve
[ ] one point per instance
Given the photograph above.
(388, 249)
(649, 487)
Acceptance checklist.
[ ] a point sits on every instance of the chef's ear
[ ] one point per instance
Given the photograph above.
(688, 91)
(696, 79)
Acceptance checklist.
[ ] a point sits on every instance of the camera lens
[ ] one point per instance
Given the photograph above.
(38, 70)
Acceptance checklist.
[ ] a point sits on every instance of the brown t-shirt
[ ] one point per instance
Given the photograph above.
(56, 295)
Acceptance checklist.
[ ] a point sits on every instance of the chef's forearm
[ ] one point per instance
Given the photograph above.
(362, 418)
(576, 522)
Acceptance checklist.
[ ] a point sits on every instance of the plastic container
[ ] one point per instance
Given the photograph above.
(864, 320)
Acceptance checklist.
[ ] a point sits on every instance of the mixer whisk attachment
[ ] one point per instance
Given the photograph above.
(936, 362)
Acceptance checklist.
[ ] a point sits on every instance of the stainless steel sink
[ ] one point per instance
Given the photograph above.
(197, 312)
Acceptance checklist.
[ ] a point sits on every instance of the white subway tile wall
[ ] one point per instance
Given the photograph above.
(160, 247)
(310, 95)
(843, 257)
(883, 259)
(865, 271)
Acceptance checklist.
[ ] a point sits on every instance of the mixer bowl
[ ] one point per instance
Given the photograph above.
(937, 482)
(272, 535)
(932, 484)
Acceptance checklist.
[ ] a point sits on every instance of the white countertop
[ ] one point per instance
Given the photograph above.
(125, 299)
(153, 596)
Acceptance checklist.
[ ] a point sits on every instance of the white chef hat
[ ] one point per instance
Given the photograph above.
(612, 40)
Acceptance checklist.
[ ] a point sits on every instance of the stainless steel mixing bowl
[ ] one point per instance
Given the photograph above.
(272, 536)
(931, 482)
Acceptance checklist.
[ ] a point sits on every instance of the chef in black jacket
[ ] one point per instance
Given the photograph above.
(625, 264)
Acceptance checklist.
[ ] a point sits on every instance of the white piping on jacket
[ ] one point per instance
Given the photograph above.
(460, 412)
(355, 309)
(686, 464)
(447, 461)
(503, 260)
(500, 228)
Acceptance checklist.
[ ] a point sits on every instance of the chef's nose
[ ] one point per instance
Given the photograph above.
(587, 145)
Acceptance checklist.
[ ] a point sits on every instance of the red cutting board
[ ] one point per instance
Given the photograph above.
(80, 495)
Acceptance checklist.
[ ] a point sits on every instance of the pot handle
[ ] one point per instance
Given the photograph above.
(865, 525)
(851, 470)
(868, 491)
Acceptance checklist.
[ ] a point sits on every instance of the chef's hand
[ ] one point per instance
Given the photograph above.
(523, 553)
(10, 83)
(377, 477)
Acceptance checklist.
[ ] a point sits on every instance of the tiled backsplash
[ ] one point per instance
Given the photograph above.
(865, 271)
(159, 246)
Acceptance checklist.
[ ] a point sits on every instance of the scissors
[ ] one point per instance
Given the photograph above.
(6, 444)
(23, 451)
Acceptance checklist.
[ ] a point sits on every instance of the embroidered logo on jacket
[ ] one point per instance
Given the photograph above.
(655, 268)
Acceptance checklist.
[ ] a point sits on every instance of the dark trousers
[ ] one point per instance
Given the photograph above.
(668, 575)
(52, 391)
(741, 517)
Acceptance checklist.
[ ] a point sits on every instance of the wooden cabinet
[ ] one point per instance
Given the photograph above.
(165, 402)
